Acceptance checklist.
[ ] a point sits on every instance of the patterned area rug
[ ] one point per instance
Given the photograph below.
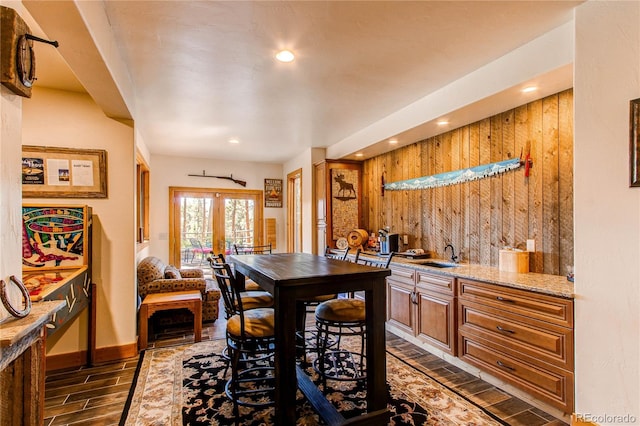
(184, 385)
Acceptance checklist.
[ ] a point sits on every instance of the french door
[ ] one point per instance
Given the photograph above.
(202, 220)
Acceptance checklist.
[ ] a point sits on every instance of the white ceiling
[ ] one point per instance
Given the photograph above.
(204, 72)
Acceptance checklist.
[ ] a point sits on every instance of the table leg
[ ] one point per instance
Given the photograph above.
(285, 357)
(377, 397)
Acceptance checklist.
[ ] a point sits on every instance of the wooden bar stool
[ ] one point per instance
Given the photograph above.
(154, 302)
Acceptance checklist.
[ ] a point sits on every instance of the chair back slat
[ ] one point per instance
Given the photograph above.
(226, 282)
(334, 253)
(261, 249)
(380, 261)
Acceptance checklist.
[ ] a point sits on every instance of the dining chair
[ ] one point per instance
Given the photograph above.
(247, 249)
(198, 249)
(250, 339)
(251, 299)
(338, 318)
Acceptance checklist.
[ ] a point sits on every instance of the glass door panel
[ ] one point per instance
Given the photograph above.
(206, 220)
(196, 228)
(239, 222)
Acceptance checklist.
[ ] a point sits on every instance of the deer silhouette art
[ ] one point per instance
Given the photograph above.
(346, 188)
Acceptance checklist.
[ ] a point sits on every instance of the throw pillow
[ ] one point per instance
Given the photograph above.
(172, 273)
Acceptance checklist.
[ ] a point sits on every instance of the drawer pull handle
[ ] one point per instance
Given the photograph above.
(502, 299)
(500, 364)
(505, 330)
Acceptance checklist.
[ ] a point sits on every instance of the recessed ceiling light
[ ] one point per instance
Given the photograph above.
(285, 56)
(529, 89)
(393, 141)
(234, 141)
(442, 122)
(359, 154)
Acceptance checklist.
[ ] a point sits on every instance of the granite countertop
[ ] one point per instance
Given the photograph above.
(554, 285)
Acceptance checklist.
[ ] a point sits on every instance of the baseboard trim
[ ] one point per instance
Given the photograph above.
(101, 355)
(115, 353)
(68, 360)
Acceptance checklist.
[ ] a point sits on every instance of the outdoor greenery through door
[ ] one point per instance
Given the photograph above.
(202, 220)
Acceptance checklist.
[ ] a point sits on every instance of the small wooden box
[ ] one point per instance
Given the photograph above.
(514, 261)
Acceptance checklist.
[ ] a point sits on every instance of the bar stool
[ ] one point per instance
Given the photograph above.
(250, 343)
(308, 305)
(338, 318)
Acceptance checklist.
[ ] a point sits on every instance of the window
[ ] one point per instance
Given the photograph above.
(142, 200)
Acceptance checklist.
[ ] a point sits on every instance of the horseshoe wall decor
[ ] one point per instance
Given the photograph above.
(18, 313)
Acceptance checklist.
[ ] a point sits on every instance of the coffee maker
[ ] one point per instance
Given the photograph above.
(388, 243)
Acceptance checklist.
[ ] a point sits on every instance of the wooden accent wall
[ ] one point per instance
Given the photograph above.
(481, 217)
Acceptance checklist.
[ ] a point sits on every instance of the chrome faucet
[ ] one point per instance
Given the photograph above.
(454, 258)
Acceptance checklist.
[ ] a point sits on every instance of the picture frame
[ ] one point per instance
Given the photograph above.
(634, 142)
(273, 192)
(53, 172)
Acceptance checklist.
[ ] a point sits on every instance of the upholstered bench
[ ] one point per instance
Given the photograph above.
(152, 303)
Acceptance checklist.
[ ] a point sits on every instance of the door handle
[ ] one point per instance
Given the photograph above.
(500, 364)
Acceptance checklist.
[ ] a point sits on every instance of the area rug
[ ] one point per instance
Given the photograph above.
(184, 385)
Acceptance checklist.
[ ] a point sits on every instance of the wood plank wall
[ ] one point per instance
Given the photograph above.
(481, 217)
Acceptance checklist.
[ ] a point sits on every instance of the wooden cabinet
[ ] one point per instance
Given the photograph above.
(337, 201)
(435, 311)
(400, 298)
(423, 305)
(522, 337)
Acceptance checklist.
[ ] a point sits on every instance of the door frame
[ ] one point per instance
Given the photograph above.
(291, 211)
(174, 223)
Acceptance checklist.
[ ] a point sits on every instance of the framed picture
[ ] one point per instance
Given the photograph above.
(634, 141)
(273, 192)
(50, 172)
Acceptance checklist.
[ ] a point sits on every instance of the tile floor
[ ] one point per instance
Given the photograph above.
(97, 395)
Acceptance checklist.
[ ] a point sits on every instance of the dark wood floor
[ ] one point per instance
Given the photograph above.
(97, 395)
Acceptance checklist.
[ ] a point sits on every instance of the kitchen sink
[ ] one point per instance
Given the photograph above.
(438, 263)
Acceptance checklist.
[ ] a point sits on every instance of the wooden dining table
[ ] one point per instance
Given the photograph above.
(293, 276)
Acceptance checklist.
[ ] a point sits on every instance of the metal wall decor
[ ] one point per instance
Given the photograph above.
(456, 176)
(230, 177)
(18, 313)
(273, 192)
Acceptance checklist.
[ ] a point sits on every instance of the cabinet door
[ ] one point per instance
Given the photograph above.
(400, 305)
(435, 322)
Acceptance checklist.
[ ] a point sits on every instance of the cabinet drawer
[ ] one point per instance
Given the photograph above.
(540, 341)
(435, 282)
(546, 308)
(403, 275)
(552, 385)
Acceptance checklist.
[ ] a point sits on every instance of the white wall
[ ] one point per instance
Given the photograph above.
(607, 212)
(10, 195)
(169, 171)
(73, 120)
